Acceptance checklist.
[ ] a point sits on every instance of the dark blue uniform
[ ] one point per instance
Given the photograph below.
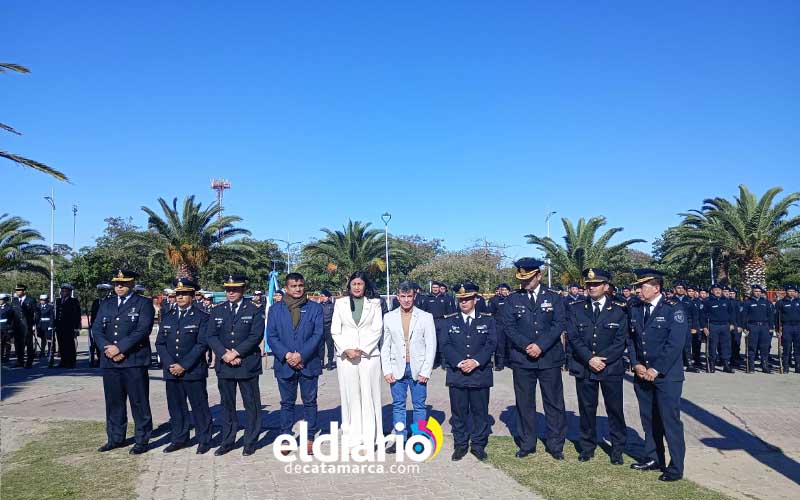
(496, 305)
(758, 318)
(45, 318)
(692, 317)
(698, 336)
(604, 334)
(11, 325)
(469, 392)
(127, 326)
(439, 306)
(719, 316)
(182, 340)
(242, 331)
(327, 320)
(658, 344)
(788, 310)
(541, 322)
(23, 340)
(736, 334)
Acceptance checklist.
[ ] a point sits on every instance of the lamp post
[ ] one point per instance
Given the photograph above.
(289, 245)
(51, 200)
(386, 217)
(549, 273)
(74, 225)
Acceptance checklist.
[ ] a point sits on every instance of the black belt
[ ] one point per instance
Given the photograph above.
(758, 323)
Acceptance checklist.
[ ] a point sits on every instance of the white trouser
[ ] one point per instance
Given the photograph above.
(360, 388)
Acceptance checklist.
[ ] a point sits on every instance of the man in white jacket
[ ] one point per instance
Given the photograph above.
(407, 354)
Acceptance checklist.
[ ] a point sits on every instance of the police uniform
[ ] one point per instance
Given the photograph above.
(126, 323)
(495, 306)
(536, 317)
(470, 338)
(719, 316)
(691, 314)
(327, 321)
(736, 334)
(67, 323)
(758, 319)
(788, 310)
(45, 314)
(182, 341)
(23, 339)
(10, 325)
(598, 328)
(697, 337)
(439, 306)
(656, 343)
(104, 291)
(238, 326)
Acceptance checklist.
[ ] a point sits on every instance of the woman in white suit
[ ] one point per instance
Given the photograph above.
(356, 329)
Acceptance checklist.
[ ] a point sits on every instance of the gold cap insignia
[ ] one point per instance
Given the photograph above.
(180, 284)
(590, 274)
(461, 290)
(120, 274)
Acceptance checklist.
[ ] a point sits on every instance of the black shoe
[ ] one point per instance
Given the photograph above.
(331, 366)
(479, 453)
(767, 370)
(108, 447)
(223, 449)
(248, 450)
(616, 460)
(557, 455)
(751, 370)
(523, 453)
(669, 476)
(692, 369)
(584, 457)
(727, 369)
(499, 368)
(459, 453)
(648, 465)
(712, 370)
(202, 448)
(138, 449)
(174, 447)
(392, 449)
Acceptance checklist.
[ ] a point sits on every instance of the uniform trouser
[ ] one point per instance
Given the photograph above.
(501, 349)
(251, 398)
(180, 391)
(5, 346)
(469, 403)
(441, 338)
(697, 346)
(719, 343)
(588, 392)
(23, 341)
(360, 390)
(791, 345)
(66, 346)
(659, 409)
(687, 349)
(759, 339)
(44, 333)
(308, 394)
(552, 387)
(736, 346)
(327, 343)
(121, 385)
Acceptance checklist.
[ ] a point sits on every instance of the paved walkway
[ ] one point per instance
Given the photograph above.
(741, 432)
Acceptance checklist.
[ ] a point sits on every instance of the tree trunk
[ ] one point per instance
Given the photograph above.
(754, 272)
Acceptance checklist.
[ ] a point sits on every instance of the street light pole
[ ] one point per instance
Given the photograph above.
(289, 245)
(549, 273)
(51, 200)
(386, 217)
(74, 225)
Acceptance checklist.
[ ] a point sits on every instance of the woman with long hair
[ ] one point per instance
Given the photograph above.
(356, 330)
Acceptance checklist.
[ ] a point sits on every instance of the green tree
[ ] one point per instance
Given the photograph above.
(582, 250)
(41, 167)
(482, 267)
(191, 237)
(256, 265)
(746, 233)
(20, 249)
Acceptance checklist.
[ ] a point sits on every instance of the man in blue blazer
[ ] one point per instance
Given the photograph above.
(658, 327)
(294, 333)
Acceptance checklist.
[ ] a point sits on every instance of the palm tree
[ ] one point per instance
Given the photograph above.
(190, 239)
(41, 167)
(18, 248)
(582, 250)
(747, 232)
(355, 248)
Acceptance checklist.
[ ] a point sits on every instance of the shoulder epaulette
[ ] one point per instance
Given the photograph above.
(486, 314)
(577, 302)
(619, 303)
(450, 315)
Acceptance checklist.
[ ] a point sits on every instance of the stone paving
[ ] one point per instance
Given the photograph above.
(742, 436)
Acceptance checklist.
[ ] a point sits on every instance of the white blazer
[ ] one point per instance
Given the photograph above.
(366, 335)
(422, 348)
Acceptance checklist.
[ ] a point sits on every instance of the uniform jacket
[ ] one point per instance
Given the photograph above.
(27, 308)
(283, 338)
(10, 320)
(45, 318)
(439, 305)
(692, 313)
(68, 314)
(127, 327)
(477, 342)
(243, 332)
(607, 337)
(659, 343)
(758, 311)
(184, 341)
(717, 310)
(788, 310)
(540, 323)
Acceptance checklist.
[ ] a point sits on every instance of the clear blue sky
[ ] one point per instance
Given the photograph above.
(464, 119)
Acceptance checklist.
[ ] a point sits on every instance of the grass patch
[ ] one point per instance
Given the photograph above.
(596, 479)
(63, 463)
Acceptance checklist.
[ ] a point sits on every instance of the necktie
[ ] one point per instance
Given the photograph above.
(647, 307)
(181, 314)
(469, 321)
(121, 301)
(596, 311)
(532, 297)
(233, 308)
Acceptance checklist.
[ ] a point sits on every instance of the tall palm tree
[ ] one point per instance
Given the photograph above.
(354, 248)
(19, 250)
(747, 231)
(189, 238)
(41, 167)
(582, 250)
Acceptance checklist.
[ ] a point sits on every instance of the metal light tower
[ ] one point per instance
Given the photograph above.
(386, 217)
(549, 273)
(220, 185)
(74, 225)
(52, 201)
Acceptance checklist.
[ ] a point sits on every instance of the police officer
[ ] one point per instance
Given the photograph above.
(658, 332)
(104, 290)
(758, 321)
(597, 330)
(235, 332)
(326, 302)
(736, 334)
(469, 343)
(697, 336)
(23, 340)
(11, 325)
(684, 301)
(67, 325)
(44, 322)
(122, 332)
(181, 346)
(439, 304)
(496, 304)
(533, 320)
(789, 327)
(718, 318)
(258, 299)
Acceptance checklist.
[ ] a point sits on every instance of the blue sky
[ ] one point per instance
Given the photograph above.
(464, 119)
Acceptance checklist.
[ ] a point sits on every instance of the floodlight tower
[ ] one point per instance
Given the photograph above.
(220, 185)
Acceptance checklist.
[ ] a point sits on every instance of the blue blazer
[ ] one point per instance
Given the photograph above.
(184, 342)
(659, 343)
(283, 338)
(540, 323)
(243, 331)
(607, 337)
(127, 327)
